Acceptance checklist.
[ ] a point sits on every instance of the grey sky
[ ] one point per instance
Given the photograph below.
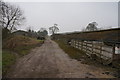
(70, 16)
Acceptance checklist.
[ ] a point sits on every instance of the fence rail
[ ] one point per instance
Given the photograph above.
(92, 47)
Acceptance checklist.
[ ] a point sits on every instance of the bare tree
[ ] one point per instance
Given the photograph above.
(10, 16)
(92, 26)
(54, 29)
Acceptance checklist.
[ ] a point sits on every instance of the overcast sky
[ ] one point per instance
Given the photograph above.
(70, 16)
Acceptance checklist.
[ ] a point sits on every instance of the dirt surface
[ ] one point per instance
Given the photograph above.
(49, 61)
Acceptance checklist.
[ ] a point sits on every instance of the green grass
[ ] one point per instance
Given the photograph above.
(8, 59)
(24, 50)
(40, 40)
(71, 51)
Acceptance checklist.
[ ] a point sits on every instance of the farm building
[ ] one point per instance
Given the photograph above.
(20, 32)
(29, 34)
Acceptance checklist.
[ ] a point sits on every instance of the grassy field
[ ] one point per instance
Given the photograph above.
(15, 47)
(81, 56)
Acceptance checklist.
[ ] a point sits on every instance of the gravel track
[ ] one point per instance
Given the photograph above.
(50, 61)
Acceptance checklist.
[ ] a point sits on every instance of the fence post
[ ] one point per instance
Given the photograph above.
(92, 47)
(100, 48)
(86, 46)
(113, 56)
(72, 43)
(101, 52)
(78, 44)
(81, 45)
(75, 43)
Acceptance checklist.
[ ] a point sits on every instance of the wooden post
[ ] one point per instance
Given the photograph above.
(81, 45)
(113, 56)
(101, 49)
(101, 52)
(78, 44)
(71, 42)
(74, 43)
(86, 46)
(92, 47)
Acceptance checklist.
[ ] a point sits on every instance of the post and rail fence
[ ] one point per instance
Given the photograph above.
(95, 48)
(105, 44)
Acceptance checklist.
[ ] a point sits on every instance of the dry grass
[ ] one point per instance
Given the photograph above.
(16, 45)
(18, 41)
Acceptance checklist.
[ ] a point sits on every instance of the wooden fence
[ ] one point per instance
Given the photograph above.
(94, 48)
(94, 43)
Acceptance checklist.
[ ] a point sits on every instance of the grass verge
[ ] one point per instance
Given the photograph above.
(8, 59)
(74, 53)
(81, 56)
(71, 51)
